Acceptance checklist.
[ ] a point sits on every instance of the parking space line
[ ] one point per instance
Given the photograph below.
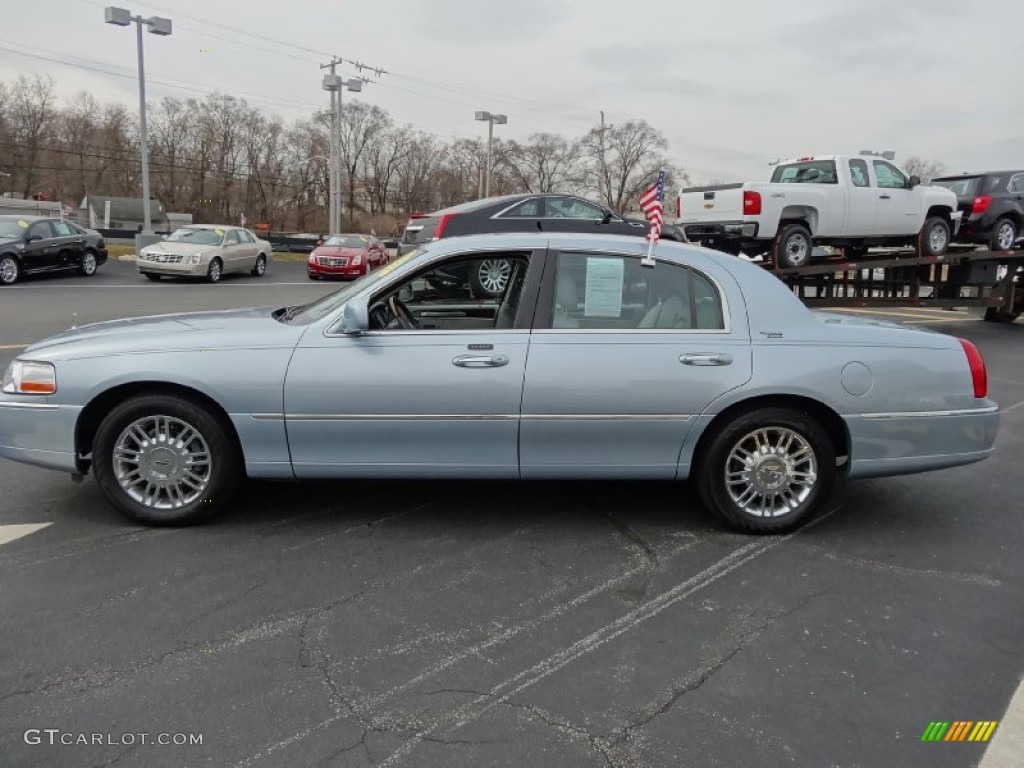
(1007, 746)
(9, 533)
(13, 346)
(164, 287)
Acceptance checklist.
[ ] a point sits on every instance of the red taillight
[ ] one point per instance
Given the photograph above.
(417, 215)
(751, 203)
(441, 224)
(979, 376)
(981, 204)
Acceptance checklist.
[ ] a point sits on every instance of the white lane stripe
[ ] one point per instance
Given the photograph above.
(9, 533)
(263, 284)
(1007, 745)
(1013, 407)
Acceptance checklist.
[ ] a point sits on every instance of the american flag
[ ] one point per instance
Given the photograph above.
(650, 204)
(66, 210)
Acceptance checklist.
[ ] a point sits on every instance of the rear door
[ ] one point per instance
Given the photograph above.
(622, 360)
(70, 244)
(862, 201)
(899, 207)
(235, 255)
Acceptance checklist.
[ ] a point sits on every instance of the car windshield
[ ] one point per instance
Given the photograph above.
(12, 227)
(197, 236)
(347, 241)
(967, 187)
(320, 308)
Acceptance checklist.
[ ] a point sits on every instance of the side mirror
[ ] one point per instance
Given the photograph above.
(355, 318)
(914, 181)
(607, 217)
(32, 238)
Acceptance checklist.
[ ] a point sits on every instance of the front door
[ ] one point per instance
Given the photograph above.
(622, 361)
(862, 203)
(432, 390)
(899, 207)
(41, 249)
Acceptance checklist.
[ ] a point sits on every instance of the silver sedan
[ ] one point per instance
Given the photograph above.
(205, 250)
(592, 363)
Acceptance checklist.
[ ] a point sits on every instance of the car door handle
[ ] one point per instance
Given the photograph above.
(480, 361)
(718, 359)
(884, 197)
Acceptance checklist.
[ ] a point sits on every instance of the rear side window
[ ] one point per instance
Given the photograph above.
(859, 173)
(63, 228)
(601, 292)
(997, 183)
(1017, 183)
(810, 172)
(528, 209)
(965, 187)
(419, 231)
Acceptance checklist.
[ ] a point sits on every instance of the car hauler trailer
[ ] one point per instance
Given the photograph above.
(958, 278)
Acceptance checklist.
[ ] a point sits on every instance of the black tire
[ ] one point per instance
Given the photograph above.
(261, 266)
(792, 246)
(221, 478)
(1004, 235)
(215, 271)
(10, 270)
(151, 276)
(489, 277)
(997, 315)
(88, 266)
(312, 277)
(934, 237)
(717, 458)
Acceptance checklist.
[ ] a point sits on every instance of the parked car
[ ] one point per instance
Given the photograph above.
(992, 205)
(205, 250)
(33, 244)
(852, 202)
(589, 365)
(518, 213)
(346, 256)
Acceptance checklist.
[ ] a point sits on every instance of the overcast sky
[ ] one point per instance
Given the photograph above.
(731, 83)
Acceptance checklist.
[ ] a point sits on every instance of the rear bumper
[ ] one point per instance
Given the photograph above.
(721, 230)
(901, 444)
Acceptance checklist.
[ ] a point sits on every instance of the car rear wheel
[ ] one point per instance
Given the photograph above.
(261, 266)
(1004, 235)
(792, 246)
(165, 460)
(10, 270)
(489, 277)
(88, 265)
(766, 471)
(213, 272)
(933, 239)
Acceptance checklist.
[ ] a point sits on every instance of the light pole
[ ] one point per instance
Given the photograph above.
(158, 26)
(335, 85)
(490, 119)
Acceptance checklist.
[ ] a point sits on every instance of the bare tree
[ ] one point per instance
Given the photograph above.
(547, 163)
(926, 170)
(31, 114)
(634, 151)
(362, 125)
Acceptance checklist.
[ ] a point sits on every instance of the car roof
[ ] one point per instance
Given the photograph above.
(486, 202)
(209, 226)
(975, 175)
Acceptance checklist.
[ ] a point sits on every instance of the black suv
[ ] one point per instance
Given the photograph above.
(518, 213)
(993, 206)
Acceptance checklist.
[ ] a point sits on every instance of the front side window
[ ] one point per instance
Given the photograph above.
(480, 292)
(889, 176)
(40, 229)
(595, 292)
(859, 173)
(572, 208)
(197, 236)
(808, 172)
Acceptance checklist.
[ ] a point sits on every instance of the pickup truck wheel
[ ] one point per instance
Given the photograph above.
(933, 239)
(997, 315)
(792, 246)
(1004, 235)
(766, 471)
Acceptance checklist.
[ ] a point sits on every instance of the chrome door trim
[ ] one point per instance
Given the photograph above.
(37, 406)
(930, 414)
(680, 417)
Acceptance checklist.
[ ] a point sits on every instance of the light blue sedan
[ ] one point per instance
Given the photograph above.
(590, 364)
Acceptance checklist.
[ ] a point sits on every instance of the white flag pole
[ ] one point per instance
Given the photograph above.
(648, 260)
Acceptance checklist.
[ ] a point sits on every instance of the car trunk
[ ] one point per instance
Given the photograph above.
(723, 202)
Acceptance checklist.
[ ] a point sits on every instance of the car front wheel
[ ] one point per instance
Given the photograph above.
(933, 240)
(213, 273)
(165, 460)
(10, 270)
(766, 471)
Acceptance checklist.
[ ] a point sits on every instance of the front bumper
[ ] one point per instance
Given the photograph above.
(318, 270)
(38, 433)
(181, 269)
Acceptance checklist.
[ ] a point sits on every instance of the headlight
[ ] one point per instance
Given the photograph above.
(24, 377)
(312, 256)
(357, 260)
(195, 258)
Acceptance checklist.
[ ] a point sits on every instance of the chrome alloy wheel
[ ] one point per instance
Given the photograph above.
(493, 274)
(1006, 236)
(937, 239)
(770, 472)
(8, 270)
(797, 249)
(88, 264)
(162, 462)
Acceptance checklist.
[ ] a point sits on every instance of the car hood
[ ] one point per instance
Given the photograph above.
(178, 247)
(337, 250)
(223, 329)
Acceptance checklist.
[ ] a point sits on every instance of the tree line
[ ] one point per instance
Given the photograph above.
(218, 157)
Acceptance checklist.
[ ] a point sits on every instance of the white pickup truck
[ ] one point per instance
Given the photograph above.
(854, 202)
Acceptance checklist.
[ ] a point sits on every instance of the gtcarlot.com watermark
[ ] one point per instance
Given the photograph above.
(55, 736)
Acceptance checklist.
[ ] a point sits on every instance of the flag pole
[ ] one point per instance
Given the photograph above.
(648, 260)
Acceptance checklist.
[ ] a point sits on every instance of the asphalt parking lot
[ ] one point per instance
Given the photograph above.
(471, 624)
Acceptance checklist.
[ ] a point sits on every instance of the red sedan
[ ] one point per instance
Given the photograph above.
(347, 256)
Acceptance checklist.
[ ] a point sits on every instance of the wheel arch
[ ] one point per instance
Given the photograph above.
(799, 214)
(942, 211)
(93, 413)
(829, 420)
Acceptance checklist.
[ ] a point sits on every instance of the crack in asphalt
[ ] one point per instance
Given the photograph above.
(568, 728)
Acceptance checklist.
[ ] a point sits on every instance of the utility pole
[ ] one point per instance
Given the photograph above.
(332, 83)
(605, 181)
